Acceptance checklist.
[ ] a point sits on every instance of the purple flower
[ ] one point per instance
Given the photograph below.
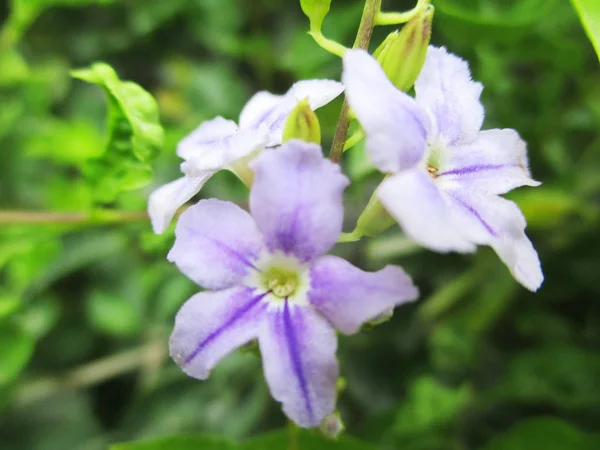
(447, 174)
(219, 144)
(271, 281)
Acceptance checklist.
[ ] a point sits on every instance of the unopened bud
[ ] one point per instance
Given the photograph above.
(374, 219)
(303, 124)
(315, 10)
(332, 425)
(402, 53)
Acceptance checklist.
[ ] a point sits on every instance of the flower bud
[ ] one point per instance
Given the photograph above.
(402, 53)
(332, 425)
(303, 124)
(315, 10)
(374, 219)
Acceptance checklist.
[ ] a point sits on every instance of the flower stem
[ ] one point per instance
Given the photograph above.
(327, 44)
(395, 18)
(292, 436)
(363, 37)
(90, 374)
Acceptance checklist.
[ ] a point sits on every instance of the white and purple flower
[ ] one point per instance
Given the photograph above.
(271, 282)
(447, 174)
(221, 144)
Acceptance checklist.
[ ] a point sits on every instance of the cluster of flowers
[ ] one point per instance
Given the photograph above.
(265, 271)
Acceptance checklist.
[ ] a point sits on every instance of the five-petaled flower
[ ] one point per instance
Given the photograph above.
(219, 143)
(271, 281)
(447, 174)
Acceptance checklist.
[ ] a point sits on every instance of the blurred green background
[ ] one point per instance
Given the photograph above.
(87, 301)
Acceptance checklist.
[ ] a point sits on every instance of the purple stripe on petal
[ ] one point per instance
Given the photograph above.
(294, 350)
(212, 324)
(298, 349)
(474, 212)
(231, 252)
(216, 244)
(236, 316)
(296, 199)
(474, 169)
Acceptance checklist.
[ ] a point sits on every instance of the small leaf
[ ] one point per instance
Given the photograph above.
(589, 13)
(179, 443)
(135, 134)
(16, 348)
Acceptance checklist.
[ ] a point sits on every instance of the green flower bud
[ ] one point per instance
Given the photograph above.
(332, 426)
(374, 220)
(315, 10)
(402, 53)
(303, 124)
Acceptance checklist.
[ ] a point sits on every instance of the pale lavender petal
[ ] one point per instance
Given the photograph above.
(296, 199)
(164, 201)
(208, 134)
(258, 108)
(395, 125)
(298, 349)
(495, 163)
(212, 324)
(499, 223)
(318, 93)
(421, 209)
(223, 152)
(445, 89)
(349, 297)
(216, 244)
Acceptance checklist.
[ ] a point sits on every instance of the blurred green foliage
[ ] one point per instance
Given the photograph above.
(87, 299)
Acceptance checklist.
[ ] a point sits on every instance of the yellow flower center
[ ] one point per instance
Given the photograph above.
(281, 282)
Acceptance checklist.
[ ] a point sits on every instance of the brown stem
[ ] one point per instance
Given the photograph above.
(363, 37)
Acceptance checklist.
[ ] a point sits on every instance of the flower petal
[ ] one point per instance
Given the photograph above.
(298, 350)
(499, 223)
(445, 89)
(495, 163)
(223, 152)
(420, 208)
(208, 134)
(296, 199)
(258, 109)
(349, 297)
(216, 244)
(164, 201)
(210, 325)
(396, 127)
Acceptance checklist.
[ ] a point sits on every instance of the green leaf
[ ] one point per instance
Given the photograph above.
(541, 433)
(589, 13)
(16, 348)
(305, 440)
(179, 443)
(112, 314)
(135, 134)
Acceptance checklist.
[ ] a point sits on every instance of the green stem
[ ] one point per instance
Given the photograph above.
(293, 436)
(327, 44)
(396, 18)
(91, 218)
(363, 37)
